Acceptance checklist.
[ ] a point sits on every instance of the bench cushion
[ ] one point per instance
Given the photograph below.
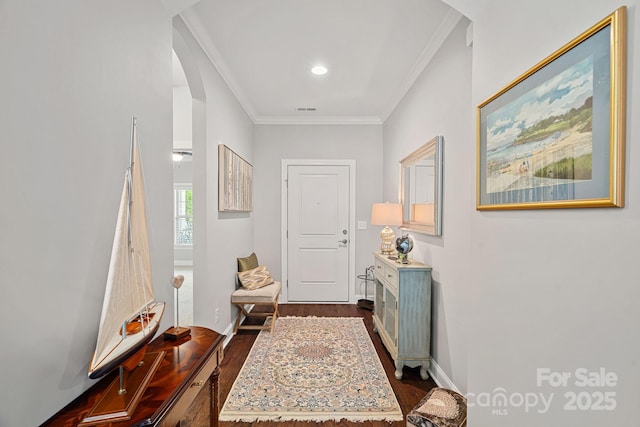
(265, 294)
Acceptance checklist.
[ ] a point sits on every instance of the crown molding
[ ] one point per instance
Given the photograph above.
(194, 24)
(174, 7)
(441, 34)
(317, 120)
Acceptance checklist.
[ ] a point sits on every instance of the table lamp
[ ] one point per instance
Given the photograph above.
(386, 214)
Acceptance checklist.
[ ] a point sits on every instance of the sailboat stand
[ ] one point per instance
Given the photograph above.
(176, 332)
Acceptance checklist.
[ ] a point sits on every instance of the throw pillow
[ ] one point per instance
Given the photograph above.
(255, 278)
(248, 263)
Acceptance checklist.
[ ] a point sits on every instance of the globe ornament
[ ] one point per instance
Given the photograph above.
(404, 245)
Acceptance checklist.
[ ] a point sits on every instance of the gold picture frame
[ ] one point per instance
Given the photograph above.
(555, 136)
(235, 182)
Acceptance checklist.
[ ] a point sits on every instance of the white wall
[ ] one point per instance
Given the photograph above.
(439, 103)
(73, 74)
(363, 143)
(219, 238)
(552, 289)
(183, 171)
(182, 135)
(182, 117)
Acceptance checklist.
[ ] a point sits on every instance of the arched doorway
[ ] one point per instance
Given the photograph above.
(189, 182)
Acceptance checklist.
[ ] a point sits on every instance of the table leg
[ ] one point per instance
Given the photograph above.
(215, 397)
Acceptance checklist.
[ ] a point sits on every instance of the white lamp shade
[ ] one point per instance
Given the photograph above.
(423, 213)
(386, 214)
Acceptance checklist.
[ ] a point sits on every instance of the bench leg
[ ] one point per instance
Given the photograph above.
(238, 317)
(275, 315)
(243, 311)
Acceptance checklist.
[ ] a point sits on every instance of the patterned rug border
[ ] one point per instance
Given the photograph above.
(283, 415)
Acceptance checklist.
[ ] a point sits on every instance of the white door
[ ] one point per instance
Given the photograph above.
(318, 233)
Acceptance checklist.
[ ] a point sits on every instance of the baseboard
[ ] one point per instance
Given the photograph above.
(229, 329)
(229, 333)
(440, 377)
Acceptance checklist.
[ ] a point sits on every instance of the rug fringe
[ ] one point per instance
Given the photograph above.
(360, 418)
(319, 317)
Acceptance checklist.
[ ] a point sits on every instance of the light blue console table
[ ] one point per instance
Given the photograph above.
(402, 312)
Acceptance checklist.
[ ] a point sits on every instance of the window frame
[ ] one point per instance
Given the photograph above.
(177, 215)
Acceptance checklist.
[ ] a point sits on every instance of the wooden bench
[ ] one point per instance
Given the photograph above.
(267, 295)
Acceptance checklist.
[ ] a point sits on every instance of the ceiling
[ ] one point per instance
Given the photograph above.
(374, 50)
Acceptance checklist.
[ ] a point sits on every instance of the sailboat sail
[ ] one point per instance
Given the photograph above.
(129, 291)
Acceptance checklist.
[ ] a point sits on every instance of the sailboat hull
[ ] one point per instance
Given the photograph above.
(123, 349)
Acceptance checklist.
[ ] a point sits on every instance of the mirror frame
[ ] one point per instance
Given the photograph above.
(433, 147)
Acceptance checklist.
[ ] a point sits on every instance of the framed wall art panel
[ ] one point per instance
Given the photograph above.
(235, 182)
(555, 137)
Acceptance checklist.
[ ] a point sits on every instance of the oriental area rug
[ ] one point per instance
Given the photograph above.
(312, 369)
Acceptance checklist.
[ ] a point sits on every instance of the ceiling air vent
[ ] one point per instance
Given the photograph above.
(306, 109)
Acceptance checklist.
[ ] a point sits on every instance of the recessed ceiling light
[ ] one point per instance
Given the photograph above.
(179, 155)
(319, 70)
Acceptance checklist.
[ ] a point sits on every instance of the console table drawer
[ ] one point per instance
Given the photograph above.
(379, 270)
(385, 273)
(201, 384)
(392, 276)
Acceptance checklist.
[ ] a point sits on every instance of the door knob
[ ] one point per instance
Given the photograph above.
(343, 241)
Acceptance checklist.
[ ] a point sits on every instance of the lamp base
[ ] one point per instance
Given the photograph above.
(384, 250)
(387, 246)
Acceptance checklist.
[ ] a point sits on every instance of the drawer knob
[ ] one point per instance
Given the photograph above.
(198, 384)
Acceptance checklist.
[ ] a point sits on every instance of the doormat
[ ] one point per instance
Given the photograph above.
(312, 369)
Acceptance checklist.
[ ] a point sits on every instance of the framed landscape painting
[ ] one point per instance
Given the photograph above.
(555, 137)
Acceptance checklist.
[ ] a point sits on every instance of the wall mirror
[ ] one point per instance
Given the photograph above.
(421, 189)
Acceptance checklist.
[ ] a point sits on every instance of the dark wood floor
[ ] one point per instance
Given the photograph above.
(409, 390)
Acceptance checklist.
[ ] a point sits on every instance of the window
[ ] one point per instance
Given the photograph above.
(183, 216)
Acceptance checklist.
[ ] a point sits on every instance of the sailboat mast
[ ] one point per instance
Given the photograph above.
(129, 200)
(130, 246)
(130, 175)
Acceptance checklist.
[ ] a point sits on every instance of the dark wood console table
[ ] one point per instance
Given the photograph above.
(183, 391)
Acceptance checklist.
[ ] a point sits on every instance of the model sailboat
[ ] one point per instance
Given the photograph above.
(130, 315)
